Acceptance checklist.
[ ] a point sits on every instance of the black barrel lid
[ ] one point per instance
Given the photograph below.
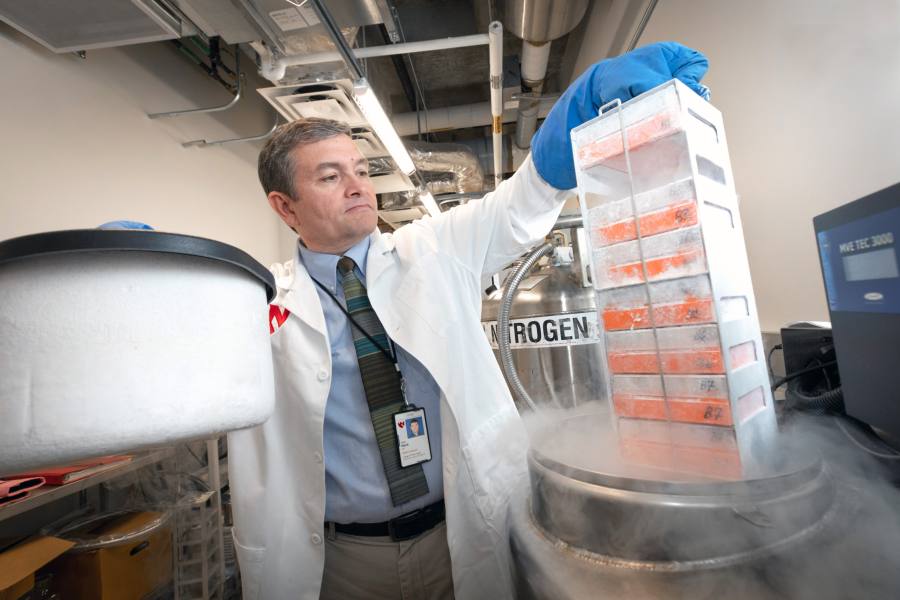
(104, 240)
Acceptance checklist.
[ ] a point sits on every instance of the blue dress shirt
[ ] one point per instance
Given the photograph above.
(356, 489)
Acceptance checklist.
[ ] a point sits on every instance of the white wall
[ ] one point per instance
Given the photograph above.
(809, 90)
(78, 149)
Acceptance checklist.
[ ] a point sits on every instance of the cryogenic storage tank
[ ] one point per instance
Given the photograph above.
(593, 526)
(553, 332)
(111, 340)
(680, 485)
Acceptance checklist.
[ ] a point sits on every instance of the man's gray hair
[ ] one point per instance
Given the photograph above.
(276, 165)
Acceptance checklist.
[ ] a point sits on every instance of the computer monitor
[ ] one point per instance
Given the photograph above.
(858, 251)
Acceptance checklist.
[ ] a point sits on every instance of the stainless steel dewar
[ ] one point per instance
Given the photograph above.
(553, 335)
(799, 526)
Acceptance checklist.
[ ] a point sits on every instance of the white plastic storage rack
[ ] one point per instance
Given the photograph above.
(685, 367)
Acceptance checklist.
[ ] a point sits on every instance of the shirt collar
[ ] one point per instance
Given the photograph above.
(323, 267)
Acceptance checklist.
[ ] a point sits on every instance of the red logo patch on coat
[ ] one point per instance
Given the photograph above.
(277, 316)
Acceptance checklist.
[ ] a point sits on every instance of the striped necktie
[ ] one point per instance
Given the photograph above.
(382, 386)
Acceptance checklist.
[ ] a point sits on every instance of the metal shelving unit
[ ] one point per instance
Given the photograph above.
(199, 536)
(199, 563)
(48, 494)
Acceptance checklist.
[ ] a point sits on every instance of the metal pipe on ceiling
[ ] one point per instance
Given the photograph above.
(462, 116)
(533, 69)
(276, 69)
(209, 109)
(251, 138)
(526, 120)
(495, 32)
(402, 71)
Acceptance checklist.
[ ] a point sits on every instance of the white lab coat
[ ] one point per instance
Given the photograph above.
(424, 282)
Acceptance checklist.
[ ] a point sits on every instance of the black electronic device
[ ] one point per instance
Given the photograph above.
(806, 346)
(860, 266)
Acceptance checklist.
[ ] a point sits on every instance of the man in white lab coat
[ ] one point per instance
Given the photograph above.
(322, 507)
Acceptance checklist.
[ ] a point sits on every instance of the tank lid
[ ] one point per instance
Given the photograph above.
(116, 240)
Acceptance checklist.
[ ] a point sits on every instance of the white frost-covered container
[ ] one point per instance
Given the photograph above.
(113, 340)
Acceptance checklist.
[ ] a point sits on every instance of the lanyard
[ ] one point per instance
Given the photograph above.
(390, 355)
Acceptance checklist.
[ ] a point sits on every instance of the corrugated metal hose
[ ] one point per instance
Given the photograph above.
(510, 287)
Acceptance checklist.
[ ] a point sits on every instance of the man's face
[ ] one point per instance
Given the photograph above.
(414, 427)
(335, 205)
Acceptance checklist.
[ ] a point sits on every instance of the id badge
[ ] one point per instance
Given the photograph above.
(412, 436)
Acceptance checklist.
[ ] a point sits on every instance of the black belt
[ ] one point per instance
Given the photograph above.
(401, 528)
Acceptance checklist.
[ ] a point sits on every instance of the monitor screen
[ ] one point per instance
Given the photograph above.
(860, 264)
(874, 264)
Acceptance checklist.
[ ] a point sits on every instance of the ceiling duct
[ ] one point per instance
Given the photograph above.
(279, 23)
(277, 29)
(447, 168)
(65, 26)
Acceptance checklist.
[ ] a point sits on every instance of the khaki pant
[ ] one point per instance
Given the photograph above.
(378, 568)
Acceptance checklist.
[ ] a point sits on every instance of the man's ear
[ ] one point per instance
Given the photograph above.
(286, 207)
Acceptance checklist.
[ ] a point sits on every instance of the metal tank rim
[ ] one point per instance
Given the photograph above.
(719, 488)
(653, 518)
(522, 516)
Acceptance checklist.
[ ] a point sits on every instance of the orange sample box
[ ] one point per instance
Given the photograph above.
(683, 447)
(696, 461)
(660, 210)
(694, 349)
(686, 301)
(669, 255)
(691, 398)
(654, 128)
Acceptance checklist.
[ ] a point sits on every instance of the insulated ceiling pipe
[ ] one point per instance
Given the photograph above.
(275, 69)
(537, 23)
(534, 63)
(461, 116)
(495, 33)
(533, 70)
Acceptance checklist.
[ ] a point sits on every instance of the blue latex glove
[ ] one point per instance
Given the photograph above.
(623, 77)
(125, 225)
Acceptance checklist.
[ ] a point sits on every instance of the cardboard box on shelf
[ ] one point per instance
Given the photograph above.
(19, 562)
(135, 561)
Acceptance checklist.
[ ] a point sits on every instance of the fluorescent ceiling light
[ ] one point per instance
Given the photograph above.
(371, 108)
(429, 202)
